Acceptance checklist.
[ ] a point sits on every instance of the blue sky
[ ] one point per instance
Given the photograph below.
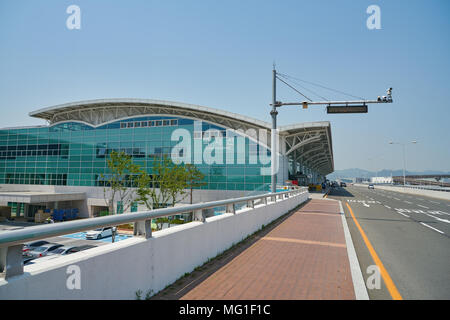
(220, 54)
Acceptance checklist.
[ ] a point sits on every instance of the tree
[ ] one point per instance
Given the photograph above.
(119, 182)
(194, 178)
(163, 186)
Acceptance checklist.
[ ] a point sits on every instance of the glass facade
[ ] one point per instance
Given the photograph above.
(75, 154)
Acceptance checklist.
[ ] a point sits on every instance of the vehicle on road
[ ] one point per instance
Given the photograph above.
(31, 245)
(371, 186)
(43, 250)
(343, 184)
(100, 233)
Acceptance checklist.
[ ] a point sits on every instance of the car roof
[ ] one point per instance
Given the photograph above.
(67, 247)
(86, 246)
(51, 245)
(37, 241)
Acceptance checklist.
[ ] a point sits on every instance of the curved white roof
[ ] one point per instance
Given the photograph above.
(311, 138)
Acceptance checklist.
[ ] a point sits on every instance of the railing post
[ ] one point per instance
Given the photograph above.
(11, 261)
(264, 200)
(273, 198)
(231, 208)
(143, 228)
(200, 215)
(250, 204)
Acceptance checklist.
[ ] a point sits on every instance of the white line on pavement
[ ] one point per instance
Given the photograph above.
(403, 214)
(438, 219)
(387, 207)
(431, 227)
(355, 269)
(423, 206)
(397, 199)
(407, 202)
(434, 202)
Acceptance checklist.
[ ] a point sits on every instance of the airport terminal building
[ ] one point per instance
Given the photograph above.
(60, 164)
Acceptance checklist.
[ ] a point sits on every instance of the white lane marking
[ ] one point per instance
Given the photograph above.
(423, 206)
(397, 199)
(403, 214)
(431, 227)
(438, 219)
(387, 207)
(355, 269)
(407, 202)
(434, 202)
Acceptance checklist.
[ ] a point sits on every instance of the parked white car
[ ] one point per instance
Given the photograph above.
(43, 250)
(100, 233)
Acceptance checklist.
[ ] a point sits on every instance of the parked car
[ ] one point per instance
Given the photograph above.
(371, 186)
(81, 248)
(43, 250)
(62, 250)
(66, 250)
(28, 260)
(343, 184)
(31, 245)
(100, 233)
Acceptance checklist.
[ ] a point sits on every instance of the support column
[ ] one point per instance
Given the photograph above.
(11, 261)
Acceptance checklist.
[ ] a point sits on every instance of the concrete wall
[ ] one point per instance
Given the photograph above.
(419, 192)
(117, 271)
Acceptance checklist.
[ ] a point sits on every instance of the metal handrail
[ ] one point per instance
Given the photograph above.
(15, 237)
(11, 242)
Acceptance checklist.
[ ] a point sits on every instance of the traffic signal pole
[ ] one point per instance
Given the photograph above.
(355, 106)
(274, 138)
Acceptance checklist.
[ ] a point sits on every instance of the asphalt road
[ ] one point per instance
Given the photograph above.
(410, 236)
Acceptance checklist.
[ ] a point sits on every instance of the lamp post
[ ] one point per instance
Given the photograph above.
(404, 158)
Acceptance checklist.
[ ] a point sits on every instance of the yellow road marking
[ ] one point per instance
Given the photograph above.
(386, 277)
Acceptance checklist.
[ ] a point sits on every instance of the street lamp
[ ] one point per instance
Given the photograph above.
(404, 158)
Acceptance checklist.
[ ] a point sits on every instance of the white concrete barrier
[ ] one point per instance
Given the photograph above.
(119, 270)
(420, 192)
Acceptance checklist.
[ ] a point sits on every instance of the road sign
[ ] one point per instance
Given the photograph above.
(348, 109)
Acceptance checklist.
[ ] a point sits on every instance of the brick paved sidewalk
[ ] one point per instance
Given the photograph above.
(304, 257)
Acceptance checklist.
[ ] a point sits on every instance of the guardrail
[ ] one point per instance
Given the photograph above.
(424, 188)
(421, 187)
(11, 242)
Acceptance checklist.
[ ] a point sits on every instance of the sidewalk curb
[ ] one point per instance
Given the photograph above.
(357, 278)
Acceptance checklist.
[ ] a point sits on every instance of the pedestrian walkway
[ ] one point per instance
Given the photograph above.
(304, 257)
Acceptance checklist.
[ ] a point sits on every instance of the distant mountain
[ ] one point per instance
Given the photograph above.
(361, 173)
